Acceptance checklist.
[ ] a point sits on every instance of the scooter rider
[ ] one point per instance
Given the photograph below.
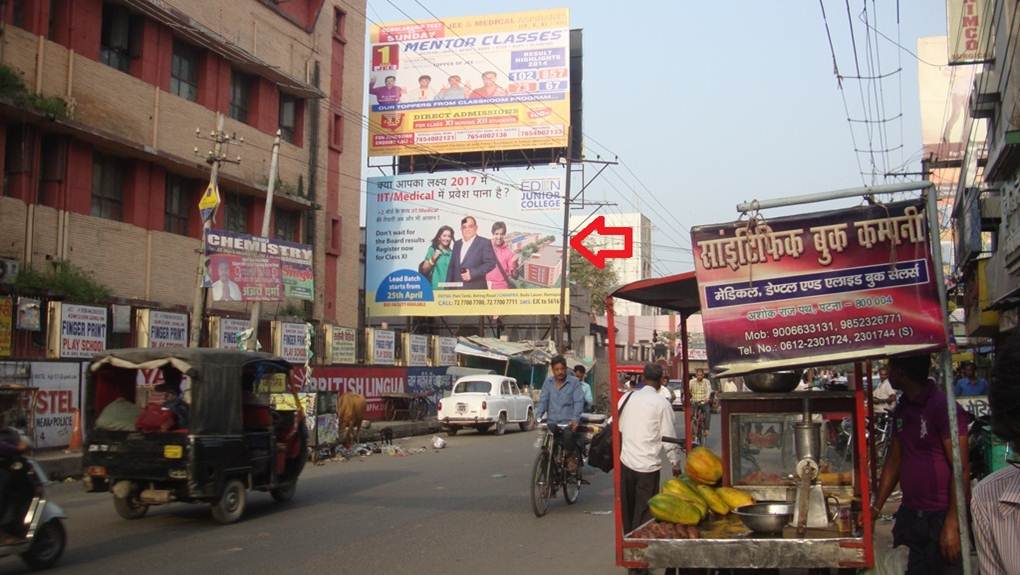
(12, 446)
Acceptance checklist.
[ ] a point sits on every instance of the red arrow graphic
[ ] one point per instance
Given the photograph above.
(598, 227)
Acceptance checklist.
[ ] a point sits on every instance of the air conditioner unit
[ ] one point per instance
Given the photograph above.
(8, 270)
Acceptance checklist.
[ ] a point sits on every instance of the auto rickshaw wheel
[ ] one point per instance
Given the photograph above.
(231, 504)
(285, 493)
(129, 507)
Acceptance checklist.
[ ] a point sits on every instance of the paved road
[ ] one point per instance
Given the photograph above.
(438, 512)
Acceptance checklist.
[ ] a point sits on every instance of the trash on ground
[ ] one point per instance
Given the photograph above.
(438, 442)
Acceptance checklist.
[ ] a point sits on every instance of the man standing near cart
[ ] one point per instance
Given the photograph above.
(920, 461)
(645, 418)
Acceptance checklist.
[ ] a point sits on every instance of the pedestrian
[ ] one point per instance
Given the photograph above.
(919, 461)
(580, 372)
(996, 505)
(701, 397)
(645, 418)
(970, 383)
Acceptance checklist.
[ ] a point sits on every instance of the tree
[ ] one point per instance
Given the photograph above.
(598, 282)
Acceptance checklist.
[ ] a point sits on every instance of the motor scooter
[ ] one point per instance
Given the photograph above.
(41, 538)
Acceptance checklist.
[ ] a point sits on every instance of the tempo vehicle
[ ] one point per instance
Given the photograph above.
(244, 431)
(485, 402)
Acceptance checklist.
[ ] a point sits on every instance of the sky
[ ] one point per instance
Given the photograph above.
(708, 104)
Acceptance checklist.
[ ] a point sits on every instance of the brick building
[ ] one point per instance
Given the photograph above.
(97, 143)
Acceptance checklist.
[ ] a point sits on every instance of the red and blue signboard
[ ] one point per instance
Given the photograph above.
(819, 288)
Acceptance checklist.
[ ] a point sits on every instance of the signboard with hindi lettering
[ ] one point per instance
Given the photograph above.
(817, 288)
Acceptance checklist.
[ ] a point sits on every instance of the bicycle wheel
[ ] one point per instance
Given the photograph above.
(571, 485)
(540, 484)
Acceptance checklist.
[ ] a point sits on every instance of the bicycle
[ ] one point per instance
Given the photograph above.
(421, 406)
(698, 422)
(549, 472)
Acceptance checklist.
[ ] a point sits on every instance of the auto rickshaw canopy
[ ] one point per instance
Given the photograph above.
(217, 379)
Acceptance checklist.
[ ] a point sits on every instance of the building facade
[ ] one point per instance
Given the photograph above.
(986, 211)
(106, 108)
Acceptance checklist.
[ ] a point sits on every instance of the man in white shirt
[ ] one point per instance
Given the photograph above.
(224, 288)
(644, 420)
(884, 396)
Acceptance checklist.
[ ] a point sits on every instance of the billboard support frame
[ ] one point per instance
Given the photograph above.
(946, 363)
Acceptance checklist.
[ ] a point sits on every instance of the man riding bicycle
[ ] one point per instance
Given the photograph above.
(701, 397)
(562, 400)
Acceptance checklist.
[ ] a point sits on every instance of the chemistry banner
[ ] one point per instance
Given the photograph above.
(464, 243)
(477, 83)
(817, 288)
(243, 267)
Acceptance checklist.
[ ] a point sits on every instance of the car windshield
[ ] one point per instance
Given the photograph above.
(473, 386)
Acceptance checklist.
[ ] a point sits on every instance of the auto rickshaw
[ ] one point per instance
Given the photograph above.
(218, 434)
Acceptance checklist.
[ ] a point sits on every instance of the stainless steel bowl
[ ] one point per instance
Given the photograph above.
(766, 517)
(773, 382)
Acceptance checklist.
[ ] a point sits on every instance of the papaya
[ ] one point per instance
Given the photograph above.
(704, 466)
(677, 489)
(672, 509)
(715, 503)
(734, 497)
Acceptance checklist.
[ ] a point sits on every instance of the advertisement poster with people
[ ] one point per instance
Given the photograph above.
(465, 243)
(477, 83)
(243, 267)
(817, 288)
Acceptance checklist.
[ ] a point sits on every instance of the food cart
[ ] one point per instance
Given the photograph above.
(724, 541)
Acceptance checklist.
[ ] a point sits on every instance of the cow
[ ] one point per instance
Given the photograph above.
(352, 411)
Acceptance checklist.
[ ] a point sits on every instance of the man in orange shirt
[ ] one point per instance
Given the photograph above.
(489, 88)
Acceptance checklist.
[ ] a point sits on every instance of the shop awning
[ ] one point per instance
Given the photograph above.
(676, 292)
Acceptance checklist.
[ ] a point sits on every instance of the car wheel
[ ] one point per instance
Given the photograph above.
(129, 507)
(231, 504)
(529, 424)
(47, 546)
(451, 431)
(501, 424)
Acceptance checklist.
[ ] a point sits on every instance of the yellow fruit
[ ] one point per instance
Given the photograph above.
(734, 497)
(678, 489)
(715, 503)
(704, 466)
(672, 509)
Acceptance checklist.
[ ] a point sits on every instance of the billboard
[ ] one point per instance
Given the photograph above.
(290, 341)
(162, 329)
(817, 288)
(76, 331)
(476, 83)
(968, 22)
(944, 92)
(6, 325)
(420, 260)
(373, 383)
(243, 267)
(342, 344)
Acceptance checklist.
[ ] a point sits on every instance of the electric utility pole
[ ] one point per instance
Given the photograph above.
(208, 206)
(251, 344)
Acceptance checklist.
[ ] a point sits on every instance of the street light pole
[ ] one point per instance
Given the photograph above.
(251, 344)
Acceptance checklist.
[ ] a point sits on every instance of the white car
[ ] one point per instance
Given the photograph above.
(484, 402)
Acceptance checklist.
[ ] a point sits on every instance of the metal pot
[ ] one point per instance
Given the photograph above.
(773, 382)
(766, 517)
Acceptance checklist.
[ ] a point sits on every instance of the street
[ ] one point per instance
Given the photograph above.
(462, 509)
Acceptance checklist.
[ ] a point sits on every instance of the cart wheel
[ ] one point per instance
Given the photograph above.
(283, 494)
(501, 424)
(572, 486)
(129, 507)
(231, 504)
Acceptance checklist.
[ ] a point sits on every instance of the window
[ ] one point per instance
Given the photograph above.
(184, 71)
(339, 23)
(289, 118)
(18, 13)
(177, 204)
(286, 225)
(240, 92)
(336, 132)
(117, 39)
(236, 217)
(107, 187)
(334, 235)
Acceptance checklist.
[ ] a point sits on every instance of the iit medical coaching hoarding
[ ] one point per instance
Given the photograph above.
(817, 288)
(477, 83)
(434, 247)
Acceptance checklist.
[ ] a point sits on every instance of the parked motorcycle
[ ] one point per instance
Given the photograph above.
(42, 538)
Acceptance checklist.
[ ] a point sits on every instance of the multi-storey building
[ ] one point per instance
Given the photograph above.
(638, 266)
(100, 102)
